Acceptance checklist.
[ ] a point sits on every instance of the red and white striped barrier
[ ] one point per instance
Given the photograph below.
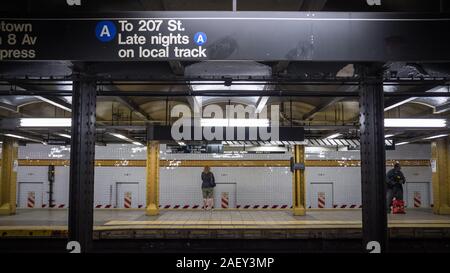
(347, 206)
(54, 206)
(103, 206)
(417, 199)
(224, 200)
(31, 199)
(321, 200)
(127, 200)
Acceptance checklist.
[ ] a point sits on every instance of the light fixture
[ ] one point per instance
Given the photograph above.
(25, 138)
(437, 136)
(412, 122)
(388, 136)
(234, 122)
(120, 136)
(45, 122)
(181, 143)
(64, 135)
(401, 143)
(333, 136)
(223, 86)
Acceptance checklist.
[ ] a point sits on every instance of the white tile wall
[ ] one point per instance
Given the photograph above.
(255, 185)
(33, 174)
(181, 186)
(61, 186)
(106, 179)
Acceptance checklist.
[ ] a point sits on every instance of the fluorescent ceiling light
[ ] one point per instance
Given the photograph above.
(334, 136)
(25, 138)
(234, 122)
(388, 136)
(64, 135)
(401, 143)
(437, 136)
(220, 86)
(412, 122)
(54, 103)
(45, 122)
(120, 136)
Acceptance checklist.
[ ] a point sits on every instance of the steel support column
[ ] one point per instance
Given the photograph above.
(152, 178)
(8, 181)
(298, 183)
(441, 175)
(373, 156)
(82, 163)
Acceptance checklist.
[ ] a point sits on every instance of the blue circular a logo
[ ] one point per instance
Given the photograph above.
(200, 38)
(105, 31)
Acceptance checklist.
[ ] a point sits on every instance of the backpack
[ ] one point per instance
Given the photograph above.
(213, 180)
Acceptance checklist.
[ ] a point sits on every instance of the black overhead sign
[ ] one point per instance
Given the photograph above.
(261, 36)
(164, 133)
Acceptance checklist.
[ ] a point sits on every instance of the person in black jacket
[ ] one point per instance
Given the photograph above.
(395, 180)
(208, 184)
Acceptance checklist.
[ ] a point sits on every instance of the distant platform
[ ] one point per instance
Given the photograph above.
(224, 224)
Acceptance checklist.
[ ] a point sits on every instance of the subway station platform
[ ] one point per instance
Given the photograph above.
(224, 224)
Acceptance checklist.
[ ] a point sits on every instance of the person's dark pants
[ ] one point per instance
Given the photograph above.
(389, 196)
(391, 192)
(398, 192)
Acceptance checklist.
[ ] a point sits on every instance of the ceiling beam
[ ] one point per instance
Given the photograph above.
(177, 67)
(310, 115)
(422, 138)
(133, 106)
(393, 103)
(55, 101)
(9, 107)
(312, 5)
(128, 102)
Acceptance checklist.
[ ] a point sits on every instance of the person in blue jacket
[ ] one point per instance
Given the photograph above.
(395, 180)
(208, 184)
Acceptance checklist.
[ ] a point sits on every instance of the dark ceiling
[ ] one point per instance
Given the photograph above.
(128, 114)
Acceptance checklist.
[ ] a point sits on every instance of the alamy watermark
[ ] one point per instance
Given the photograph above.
(237, 122)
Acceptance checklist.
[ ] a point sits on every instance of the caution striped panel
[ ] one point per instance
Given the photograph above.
(417, 199)
(339, 142)
(31, 199)
(224, 200)
(321, 200)
(127, 200)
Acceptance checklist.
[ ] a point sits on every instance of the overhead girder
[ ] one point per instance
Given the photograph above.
(220, 5)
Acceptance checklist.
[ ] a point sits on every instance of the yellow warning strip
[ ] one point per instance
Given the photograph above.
(61, 231)
(228, 222)
(218, 163)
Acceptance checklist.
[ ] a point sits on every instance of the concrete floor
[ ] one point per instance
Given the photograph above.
(218, 218)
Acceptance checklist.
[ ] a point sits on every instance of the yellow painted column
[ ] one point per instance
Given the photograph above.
(441, 176)
(8, 181)
(299, 184)
(152, 178)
